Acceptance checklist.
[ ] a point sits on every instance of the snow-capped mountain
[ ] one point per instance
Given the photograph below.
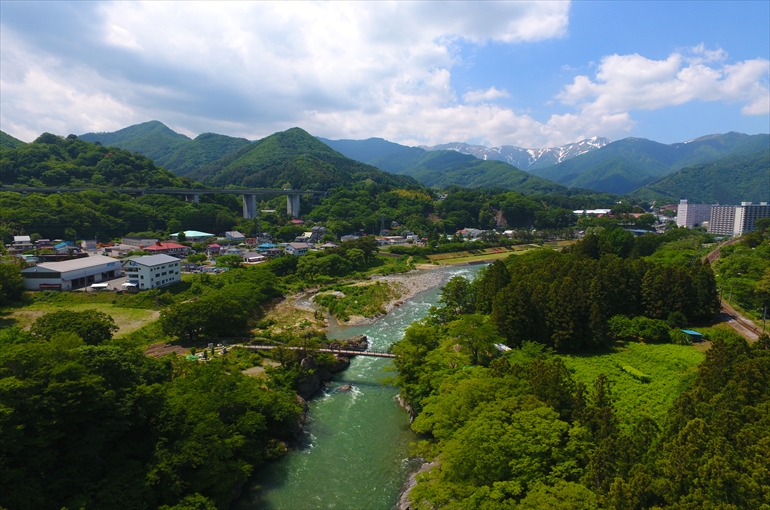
(525, 159)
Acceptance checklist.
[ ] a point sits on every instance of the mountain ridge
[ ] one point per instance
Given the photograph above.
(522, 157)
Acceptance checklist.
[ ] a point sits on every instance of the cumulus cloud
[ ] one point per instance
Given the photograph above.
(477, 96)
(632, 82)
(253, 68)
(337, 69)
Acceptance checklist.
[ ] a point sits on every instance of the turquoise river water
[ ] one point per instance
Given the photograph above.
(355, 450)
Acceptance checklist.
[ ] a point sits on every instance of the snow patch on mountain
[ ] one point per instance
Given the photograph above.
(523, 158)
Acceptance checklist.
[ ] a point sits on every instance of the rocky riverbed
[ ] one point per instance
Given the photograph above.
(407, 285)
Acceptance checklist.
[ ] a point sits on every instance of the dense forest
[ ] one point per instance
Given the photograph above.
(515, 429)
(52, 161)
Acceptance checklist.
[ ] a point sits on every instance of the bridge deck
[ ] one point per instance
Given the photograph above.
(343, 352)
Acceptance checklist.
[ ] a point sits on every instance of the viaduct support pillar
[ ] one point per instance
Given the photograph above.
(192, 198)
(249, 206)
(292, 205)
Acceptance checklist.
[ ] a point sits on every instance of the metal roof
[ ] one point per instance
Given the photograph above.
(193, 233)
(72, 265)
(691, 332)
(154, 260)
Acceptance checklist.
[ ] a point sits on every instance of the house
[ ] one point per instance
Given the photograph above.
(253, 257)
(88, 244)
(167, 248)
(231, 250)
(316, 233)
(194, 236)
(139, 242)
(152, 271)
(234, 235)
(65, 247)
(20, 244)
(327, 246)
(71, 274)
(297, 249)
(213, 249)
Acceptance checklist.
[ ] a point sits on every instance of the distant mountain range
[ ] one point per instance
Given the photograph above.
(525, 159)
(441, 168)
(625, 165)
(294, 157)
(729, 180)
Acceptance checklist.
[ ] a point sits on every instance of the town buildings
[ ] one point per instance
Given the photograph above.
(152, 271)
(692, 215)
(71, 274)
(736, 220)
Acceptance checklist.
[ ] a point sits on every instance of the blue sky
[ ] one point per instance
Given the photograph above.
(531, 74)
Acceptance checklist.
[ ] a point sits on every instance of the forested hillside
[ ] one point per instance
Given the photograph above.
(442, 168)
(90, 421)
(9, 142)
(204, 149)
(518, 429)
(52, 161)
(729, 180)
(152, 139)
(624, 165)
(294, 159)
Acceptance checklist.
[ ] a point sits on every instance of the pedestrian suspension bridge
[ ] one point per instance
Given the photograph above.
(343, 352)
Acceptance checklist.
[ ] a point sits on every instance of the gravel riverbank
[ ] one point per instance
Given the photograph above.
(407, 285)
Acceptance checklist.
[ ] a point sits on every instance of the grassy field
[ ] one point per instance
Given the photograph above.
(464, 257)
(361, 300)
(127, 319)
(668, 369)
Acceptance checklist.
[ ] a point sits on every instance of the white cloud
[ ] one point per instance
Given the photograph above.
(632, 82)
(260, 67)
(477, 96)
(337, 69)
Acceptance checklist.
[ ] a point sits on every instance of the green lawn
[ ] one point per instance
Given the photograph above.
(670, 368)
(127, 319)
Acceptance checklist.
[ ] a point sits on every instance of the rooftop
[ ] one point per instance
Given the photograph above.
(193, 233)
(154, 260)
(74, 264)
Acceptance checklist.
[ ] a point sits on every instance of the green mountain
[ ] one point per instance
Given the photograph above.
(204, 149)
(9, 142)
(291, 158)
(69, 162)
(729, 180)
(625, 165)
(152, 139)
(441, 168)
(445, 168)
(389, 156)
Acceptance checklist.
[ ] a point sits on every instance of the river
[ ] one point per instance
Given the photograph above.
(355, 452)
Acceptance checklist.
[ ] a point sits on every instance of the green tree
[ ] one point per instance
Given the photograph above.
(93, 326)
(477, 336)
(11, 284)
(231, 261)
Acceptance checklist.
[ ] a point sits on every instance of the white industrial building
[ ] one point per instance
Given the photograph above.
(71, 274)
(692, 215)
(152, 271)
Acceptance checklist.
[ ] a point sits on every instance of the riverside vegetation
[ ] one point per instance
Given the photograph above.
(589, 409)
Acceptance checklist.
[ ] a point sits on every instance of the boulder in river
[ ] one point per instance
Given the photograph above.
(345, 388)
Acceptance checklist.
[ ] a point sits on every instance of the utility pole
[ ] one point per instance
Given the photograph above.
(382, 223)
